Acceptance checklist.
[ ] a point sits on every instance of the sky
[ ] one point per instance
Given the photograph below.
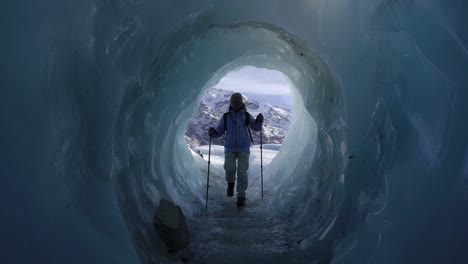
(267, 86)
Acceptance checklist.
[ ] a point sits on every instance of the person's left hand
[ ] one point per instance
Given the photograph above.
(259, 118)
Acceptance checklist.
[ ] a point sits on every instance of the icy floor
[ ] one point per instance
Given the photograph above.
(228, 234)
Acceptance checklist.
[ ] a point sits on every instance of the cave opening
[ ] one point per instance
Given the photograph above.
(264, 91)
(307, 168)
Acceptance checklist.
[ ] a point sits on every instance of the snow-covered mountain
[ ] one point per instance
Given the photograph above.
(216, 102)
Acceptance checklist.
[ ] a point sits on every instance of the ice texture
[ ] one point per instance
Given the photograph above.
(96, 96)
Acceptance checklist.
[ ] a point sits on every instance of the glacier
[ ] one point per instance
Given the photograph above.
(96, 96)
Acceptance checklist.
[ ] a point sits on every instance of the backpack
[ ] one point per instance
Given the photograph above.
(247, 122)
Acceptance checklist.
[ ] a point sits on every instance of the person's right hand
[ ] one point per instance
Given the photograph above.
(259, 118)
(211, 131)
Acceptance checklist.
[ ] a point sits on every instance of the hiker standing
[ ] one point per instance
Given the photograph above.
(235, 124)
(199, 153)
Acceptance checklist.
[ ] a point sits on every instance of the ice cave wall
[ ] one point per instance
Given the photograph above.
(80, 78)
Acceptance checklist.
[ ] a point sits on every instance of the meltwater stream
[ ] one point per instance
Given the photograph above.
(96, 96)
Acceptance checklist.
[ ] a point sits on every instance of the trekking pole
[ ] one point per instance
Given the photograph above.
(208, 178)
(261, 158)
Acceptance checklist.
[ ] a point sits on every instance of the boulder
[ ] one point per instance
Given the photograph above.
(169, 223)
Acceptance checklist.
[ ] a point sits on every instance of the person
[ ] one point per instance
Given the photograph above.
(235, 124)
(199, 153)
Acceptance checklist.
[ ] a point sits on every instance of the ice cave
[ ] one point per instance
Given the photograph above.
(96, 96)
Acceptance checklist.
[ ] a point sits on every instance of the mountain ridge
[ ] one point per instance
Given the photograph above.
(216, 102)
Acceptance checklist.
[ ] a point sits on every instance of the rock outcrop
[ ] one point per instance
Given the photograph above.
(169, 223)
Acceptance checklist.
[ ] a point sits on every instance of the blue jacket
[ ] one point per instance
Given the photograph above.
(237, 135)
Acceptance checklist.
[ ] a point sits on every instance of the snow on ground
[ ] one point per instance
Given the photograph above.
(228, 234)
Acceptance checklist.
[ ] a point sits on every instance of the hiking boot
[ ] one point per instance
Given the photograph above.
(230, 189)
(240, 201)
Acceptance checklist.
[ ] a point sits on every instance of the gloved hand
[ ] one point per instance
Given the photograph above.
(259, 118)
(211, 131)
